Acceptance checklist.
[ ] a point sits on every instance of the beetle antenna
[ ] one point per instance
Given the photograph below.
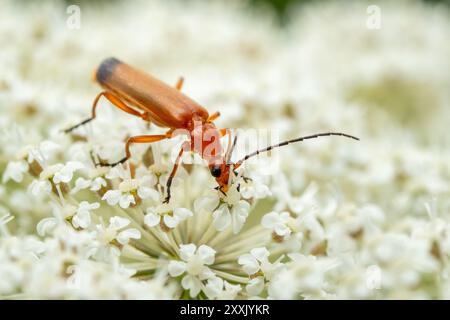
(284, 143)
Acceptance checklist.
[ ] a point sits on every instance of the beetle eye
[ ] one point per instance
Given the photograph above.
(216, 171)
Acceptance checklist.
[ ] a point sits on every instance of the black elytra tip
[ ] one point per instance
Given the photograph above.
(106, 69)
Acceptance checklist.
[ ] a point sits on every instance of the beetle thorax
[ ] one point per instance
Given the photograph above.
(205, 140)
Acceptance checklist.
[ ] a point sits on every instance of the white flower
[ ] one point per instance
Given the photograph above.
(124, 236)
(79, 217)
(277, 222)
(80, 184)
(256, 264)
(145, 192)
(304, 275)
(227, 210)
(43, 185)
(38, 187)
(236, 215)
(128, 188)
(297, 204)
(57, 173)
(65, 173)
(46, 226)
(98, 183)
(42, 152)
(114, 197)
(254, 188)
(142, 185)
(118, 172)
(82, 219)
(170, 217)
(95, 185)
(206, 204)
(217, 288)
(116, 231)
(255, 286)
(194, 264)
(251, 262)
(14, 171)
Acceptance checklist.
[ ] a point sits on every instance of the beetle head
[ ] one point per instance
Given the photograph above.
(221, 172)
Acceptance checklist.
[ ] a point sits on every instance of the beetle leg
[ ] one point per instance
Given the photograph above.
(136, 139)
(184, 146)
(116, 101)
(179, 84)
(214, 116)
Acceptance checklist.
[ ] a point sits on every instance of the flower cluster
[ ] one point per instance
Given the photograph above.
(336, 219)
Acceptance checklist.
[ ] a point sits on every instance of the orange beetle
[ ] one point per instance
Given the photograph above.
(152, 100)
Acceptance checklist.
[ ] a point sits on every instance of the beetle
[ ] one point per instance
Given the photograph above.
(152, 100)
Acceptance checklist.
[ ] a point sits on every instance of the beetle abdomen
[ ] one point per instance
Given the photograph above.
(106, 69)
(163, 104)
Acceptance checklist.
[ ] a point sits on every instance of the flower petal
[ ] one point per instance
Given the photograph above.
(80, 184)
(207, 254)
(187, 251)
(239, 215)
(112, 197)
(222, 217)
(125, 236)
(182, 213)
(98, 183)
(176, 268)
(249, 264)
(126, 200)
(170, 221)
(269, 220)
(152, 219)
(255, 286)
(213, 287)
(46, 225)
(282, 230)
(148, 193)
(66, 173)
(82, 219)
(192, 284)
(38, 186)
(206, 203)
(118, 222)
(14, 171)
(260, 253)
